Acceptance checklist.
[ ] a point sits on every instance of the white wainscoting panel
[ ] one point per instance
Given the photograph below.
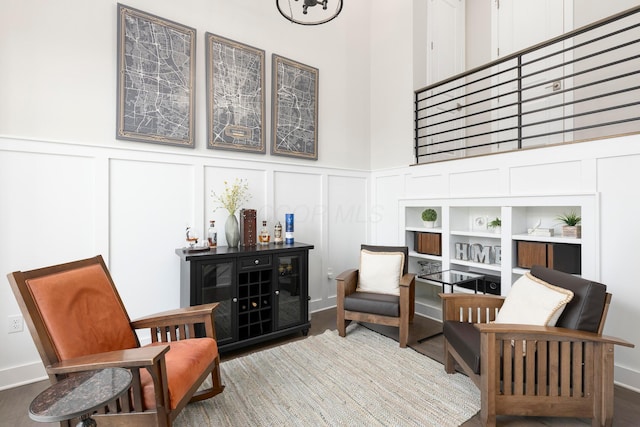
(257, 181)
(47, 217)
(485, 182)
(348, 216)
(547, 178)
(150, 205)
(431, 185)
(384, 209)
(301, 194)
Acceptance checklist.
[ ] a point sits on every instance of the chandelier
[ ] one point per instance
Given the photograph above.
(304, 12)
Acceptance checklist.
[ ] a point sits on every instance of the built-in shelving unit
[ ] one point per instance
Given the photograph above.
(470, 244)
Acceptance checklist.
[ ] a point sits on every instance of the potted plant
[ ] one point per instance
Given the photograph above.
(571, 227)
(429, 217)
(496, 224)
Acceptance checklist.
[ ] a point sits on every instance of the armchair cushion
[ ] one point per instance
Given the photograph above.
(585, 311)
(67, 301)
(369, 302)
(186, 361)
(380, 272)
(465, 338)
(532, 301)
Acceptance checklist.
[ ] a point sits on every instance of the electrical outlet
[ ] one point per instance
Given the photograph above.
(16, 324)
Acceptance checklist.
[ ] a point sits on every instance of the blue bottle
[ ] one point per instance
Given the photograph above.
(288, 233)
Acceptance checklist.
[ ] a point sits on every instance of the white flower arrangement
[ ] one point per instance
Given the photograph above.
(233, 196)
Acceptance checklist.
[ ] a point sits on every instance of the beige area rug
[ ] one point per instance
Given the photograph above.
(365, 379)
(421, 328)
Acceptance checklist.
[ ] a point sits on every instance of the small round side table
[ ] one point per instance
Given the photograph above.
(79, 395)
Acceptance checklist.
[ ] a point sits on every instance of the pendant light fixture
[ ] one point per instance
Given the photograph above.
(305, 12)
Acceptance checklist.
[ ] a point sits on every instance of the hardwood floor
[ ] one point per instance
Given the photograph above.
(14, 402)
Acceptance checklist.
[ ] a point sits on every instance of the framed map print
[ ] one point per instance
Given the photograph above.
(235, 95)
(294, 113)
(156, 79)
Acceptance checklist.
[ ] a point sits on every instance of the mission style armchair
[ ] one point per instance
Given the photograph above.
(528, 370)
(381, 291)
(78, 323)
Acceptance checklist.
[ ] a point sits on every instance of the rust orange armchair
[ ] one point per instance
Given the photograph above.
(78, 323)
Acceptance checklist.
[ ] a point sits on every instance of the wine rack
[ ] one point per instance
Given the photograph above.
(262, 291)
(254, 299)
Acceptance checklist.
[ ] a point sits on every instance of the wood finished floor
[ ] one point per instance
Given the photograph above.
(14, 402)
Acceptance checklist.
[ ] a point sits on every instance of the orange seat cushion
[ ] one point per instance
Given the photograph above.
(186, 361)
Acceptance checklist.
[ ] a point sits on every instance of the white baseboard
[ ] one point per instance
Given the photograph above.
(21, 375)
(627, 378)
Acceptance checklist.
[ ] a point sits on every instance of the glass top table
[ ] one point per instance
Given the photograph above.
(453, 278)
(79, 395)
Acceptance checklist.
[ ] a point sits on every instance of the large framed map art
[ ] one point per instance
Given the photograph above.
(235, 95)
(294, 113)
(156, 79)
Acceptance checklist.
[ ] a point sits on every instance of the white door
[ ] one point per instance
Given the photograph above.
(445, 58)
(520, 24)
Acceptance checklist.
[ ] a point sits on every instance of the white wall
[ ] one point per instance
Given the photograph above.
(392, 84)
(69, 189)
(59, 69)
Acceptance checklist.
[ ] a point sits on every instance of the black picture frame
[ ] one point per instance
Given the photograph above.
(294, 113)
(156, 79)
(235, 95)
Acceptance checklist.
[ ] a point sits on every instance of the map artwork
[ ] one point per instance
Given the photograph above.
(295, 109)
(235, 75)
(156, 63)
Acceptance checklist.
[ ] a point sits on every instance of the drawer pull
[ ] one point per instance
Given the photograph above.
(256, 262)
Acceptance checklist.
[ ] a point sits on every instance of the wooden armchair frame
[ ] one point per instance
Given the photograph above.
(347, 282)
(166, 327)
(534, 370)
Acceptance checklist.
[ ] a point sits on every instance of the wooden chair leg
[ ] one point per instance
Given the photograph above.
(341, 324)
(404, 334)
(449, 361)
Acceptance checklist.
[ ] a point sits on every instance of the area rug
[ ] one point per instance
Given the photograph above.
(365, 379)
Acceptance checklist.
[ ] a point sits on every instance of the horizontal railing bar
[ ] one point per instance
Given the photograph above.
(585, 113)
(555, 93)
(582, 58)
(491, 98)
(472, 82)
(590, 98)
(615, 122)
(620, 61)
(472, 93)
(586, 85)
(579, 45)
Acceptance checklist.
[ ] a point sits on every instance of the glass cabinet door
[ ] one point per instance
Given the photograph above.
(291, 292)
(217, 285)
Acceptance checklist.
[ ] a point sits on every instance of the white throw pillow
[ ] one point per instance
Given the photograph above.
(532, 301)
(380, 272)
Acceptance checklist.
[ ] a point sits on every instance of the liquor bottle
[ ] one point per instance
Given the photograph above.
(277, 234)
(264, 236)
(288, 235)
(212, 234)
